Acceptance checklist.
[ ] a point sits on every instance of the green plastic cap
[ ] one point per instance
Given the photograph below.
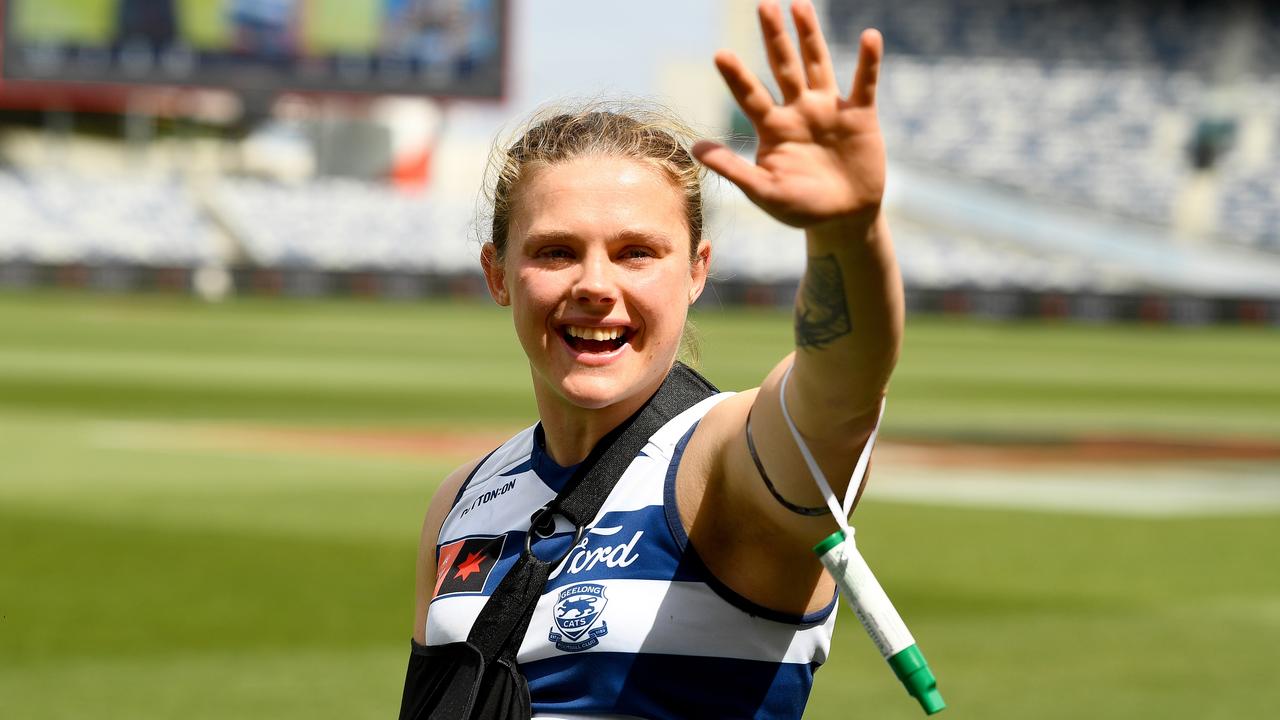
(831, 541)
(910, 667)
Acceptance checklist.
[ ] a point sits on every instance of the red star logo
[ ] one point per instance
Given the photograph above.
(470, 565)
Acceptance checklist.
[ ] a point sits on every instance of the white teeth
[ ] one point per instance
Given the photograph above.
(589, 333)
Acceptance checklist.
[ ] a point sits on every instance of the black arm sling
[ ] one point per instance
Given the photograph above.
(478, 679)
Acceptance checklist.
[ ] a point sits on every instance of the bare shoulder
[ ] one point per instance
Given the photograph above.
(437, 511)
(442, 500)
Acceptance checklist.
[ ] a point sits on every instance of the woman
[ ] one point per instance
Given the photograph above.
(695, 592)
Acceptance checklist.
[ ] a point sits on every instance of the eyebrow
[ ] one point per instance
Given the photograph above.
(640, 236)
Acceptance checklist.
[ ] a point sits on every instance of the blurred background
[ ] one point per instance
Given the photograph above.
(243, 336)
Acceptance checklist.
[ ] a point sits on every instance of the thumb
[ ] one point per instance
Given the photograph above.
(729, 165)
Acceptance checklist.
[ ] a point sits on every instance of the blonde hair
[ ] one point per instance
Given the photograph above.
(628, 129)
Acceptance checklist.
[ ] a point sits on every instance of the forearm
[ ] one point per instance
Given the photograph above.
(848, 327)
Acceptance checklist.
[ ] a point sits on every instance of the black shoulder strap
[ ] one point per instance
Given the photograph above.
(585, 493)
(503, 620)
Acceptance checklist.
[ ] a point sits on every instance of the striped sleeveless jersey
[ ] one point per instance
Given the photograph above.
(632, 623)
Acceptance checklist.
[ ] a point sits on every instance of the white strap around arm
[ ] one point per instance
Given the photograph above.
(856, 481)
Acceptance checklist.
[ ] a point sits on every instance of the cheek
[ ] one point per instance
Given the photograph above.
(537, 295)
(536, 288)
(664, 299)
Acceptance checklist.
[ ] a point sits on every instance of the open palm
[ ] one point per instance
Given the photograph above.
(820, 155)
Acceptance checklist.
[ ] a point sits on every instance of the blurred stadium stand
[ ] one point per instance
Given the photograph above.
(1040, 148)
(344, 224)
(1095, 103)
(1174, 35)
(1114, 141)
(62, 217)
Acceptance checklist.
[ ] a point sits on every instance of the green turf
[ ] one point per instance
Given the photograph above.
(364, 363)
(141, 577)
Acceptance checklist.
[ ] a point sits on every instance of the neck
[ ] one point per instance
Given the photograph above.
(571, 431)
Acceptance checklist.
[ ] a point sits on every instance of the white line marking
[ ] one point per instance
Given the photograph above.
(1229, 489)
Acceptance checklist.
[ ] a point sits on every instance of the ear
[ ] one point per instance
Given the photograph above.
(495, 274)
(698, 271)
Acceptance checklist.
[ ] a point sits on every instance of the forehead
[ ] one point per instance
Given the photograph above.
(592, 195)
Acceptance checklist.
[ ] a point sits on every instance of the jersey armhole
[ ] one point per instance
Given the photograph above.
(689, 555)
(457, 497)
(470, 476)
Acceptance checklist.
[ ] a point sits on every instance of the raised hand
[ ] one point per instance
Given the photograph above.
(820, 156)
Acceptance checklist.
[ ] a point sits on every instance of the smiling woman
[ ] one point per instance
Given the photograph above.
(598, 275)
(689, 565)
(604, 204)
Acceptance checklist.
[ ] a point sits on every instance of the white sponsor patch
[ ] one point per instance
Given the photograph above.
(585, 555)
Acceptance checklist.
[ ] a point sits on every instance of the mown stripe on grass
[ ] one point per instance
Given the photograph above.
(281, 684)
(1185, 490)
(75, 588)
(327, 403)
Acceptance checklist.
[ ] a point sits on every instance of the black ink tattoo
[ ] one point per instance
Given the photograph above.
(822, 315)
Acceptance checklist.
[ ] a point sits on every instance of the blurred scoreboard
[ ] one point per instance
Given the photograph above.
(440, 48)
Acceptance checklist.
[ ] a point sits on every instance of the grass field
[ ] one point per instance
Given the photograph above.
(157, 562)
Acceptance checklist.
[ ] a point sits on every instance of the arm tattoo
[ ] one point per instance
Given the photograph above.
(822, 314)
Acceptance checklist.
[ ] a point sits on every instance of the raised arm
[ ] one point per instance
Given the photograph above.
(820, 166)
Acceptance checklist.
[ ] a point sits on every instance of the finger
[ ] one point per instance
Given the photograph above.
(786, 65)
(813, 47)
(752, 96)
(870, 52)
(729, 165)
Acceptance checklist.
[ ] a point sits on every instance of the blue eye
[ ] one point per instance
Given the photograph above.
(555, 253)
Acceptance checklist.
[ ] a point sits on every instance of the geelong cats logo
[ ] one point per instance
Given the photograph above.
(577, 609)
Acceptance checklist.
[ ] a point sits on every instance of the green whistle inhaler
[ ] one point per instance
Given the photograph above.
(839, 554)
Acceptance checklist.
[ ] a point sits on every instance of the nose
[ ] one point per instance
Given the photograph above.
(595, 284)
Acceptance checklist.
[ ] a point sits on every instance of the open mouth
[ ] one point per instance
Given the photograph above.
(595, 339)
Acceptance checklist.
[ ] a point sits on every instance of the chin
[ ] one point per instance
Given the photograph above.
(596, 388)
